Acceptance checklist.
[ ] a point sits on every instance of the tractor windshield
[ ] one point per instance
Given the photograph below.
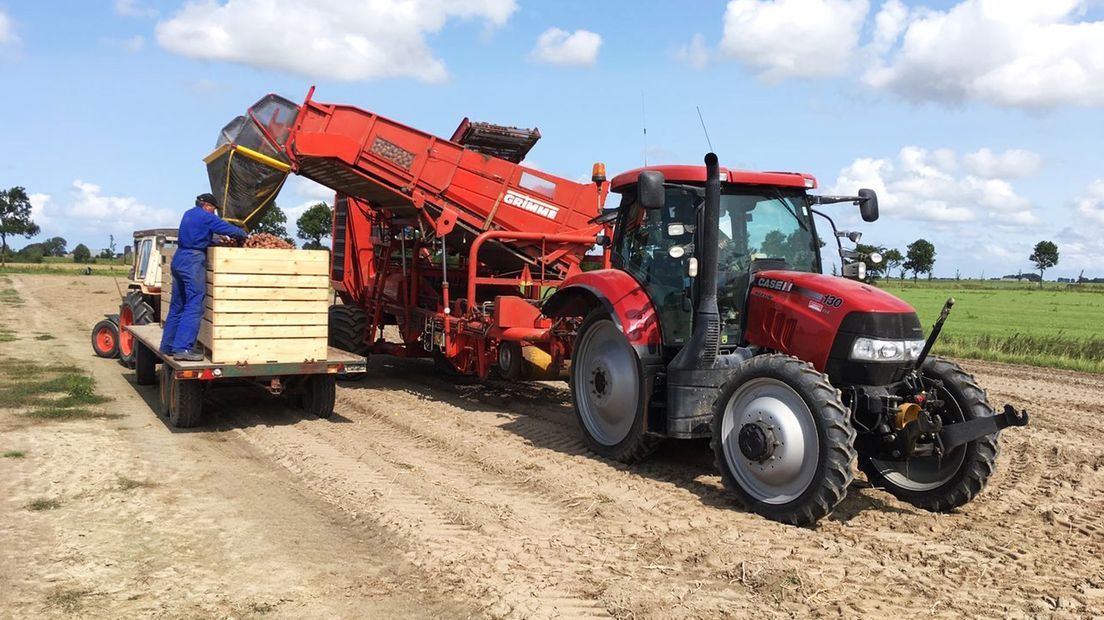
(755, 222)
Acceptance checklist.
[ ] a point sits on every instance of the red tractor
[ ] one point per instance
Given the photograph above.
(709, 317)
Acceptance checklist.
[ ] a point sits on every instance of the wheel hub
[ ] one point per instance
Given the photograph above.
(599, 382)
(756, 441)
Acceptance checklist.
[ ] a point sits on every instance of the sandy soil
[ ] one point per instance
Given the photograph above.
(425, 496)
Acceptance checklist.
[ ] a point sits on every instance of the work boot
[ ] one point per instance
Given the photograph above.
(188, 356)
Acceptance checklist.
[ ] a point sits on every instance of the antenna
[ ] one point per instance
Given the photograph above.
(704, 130)
(644, 123)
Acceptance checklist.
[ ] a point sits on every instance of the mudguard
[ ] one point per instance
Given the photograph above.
(622, 296)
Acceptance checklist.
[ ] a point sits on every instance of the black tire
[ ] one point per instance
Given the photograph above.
(318, 395)
(797, 405)
(348, 329)
(510, 364)
(610, 410)
(964, 471)
(145, 365)
(187, 402)
(105, 339)
(164, 390)
(133, 311)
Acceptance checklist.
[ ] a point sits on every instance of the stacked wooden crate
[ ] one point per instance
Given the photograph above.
(266, 305)
(166, 279)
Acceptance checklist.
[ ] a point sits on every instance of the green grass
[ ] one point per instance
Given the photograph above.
(7, 335)
(46, 269)
(10, 297)
(44, 337)
(50, 392)
(14, 454)
(44, 503)
(1055, 326)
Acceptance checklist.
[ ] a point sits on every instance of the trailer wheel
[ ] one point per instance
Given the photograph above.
(164, 391)
(186, 397)
(133, 311)
(145, 365)
(510, 362)
(942, 484)
(319, 393)
(607, 390)
(782, 439)
(105, 338)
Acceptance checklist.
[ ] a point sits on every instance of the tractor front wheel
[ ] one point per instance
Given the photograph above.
(945, 483)
(105, 338)
(608, 393)
(782, 440)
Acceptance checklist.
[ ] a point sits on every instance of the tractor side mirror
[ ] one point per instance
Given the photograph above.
(650, 189)
(868, 208)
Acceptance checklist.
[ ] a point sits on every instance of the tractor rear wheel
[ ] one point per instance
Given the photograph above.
(133, 311)
(782, 439)
(607, 390)
(942, 484)
(105, 338)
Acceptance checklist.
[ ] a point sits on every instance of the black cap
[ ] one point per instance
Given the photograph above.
(208, 197)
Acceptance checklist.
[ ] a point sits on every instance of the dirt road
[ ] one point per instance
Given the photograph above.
(426, 496)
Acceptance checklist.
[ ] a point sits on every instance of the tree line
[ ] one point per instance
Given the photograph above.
(16, 221)
(919, 258)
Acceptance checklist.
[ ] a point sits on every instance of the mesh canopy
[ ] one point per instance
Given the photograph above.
(245, 184)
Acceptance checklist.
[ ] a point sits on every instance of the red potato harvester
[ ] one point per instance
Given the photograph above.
(707, 314)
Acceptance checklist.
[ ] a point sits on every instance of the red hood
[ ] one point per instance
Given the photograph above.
(857, 296)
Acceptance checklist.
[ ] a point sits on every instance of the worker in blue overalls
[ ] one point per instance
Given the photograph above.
(189, 277)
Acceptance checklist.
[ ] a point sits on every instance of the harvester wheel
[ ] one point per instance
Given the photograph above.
(607, 390)
(105, 338)
(348, 330)
(511, 362)
(133, 311)
(145, 365)
(186, 396)
(782, 439)
(319, 393)
(942, 484)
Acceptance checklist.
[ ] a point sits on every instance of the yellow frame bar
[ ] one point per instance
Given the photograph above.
(250, 153)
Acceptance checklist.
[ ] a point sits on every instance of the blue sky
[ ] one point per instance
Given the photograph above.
(979, 122)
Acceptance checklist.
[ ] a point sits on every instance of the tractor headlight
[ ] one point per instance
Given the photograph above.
(876, 350)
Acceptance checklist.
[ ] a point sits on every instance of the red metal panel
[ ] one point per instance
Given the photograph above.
(696, 174)
(630, 305)
(515, 312)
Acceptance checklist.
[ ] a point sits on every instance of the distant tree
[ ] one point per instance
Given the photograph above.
(1045, 256)
(81, 254)
(893, 260)
(54, 246)
(920, 258)
(108, 253)
(15, 218)
(274, 222)
(873, 270)
(314, 225)
(31, 253)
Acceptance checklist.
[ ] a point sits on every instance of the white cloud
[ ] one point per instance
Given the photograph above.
(1033, 55)
(1090, 204)
(90, 215)
(782, 39)
(938, 185)
(331, 39)
(310, 190)
(1013, 163)
(1078, 249)
(133, 8)
(559, 47)
(133, 44)
(7, 30)
(695, 53)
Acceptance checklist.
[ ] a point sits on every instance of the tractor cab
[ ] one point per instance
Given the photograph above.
(765, 222)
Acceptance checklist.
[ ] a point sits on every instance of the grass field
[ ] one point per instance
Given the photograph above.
(1058, 326)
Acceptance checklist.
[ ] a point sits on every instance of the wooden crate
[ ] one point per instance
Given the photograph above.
(266, 305)
(166, 280)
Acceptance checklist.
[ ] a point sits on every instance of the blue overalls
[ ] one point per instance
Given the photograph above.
(189, 272)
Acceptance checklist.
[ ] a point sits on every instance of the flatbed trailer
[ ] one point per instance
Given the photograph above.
(182, 385)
